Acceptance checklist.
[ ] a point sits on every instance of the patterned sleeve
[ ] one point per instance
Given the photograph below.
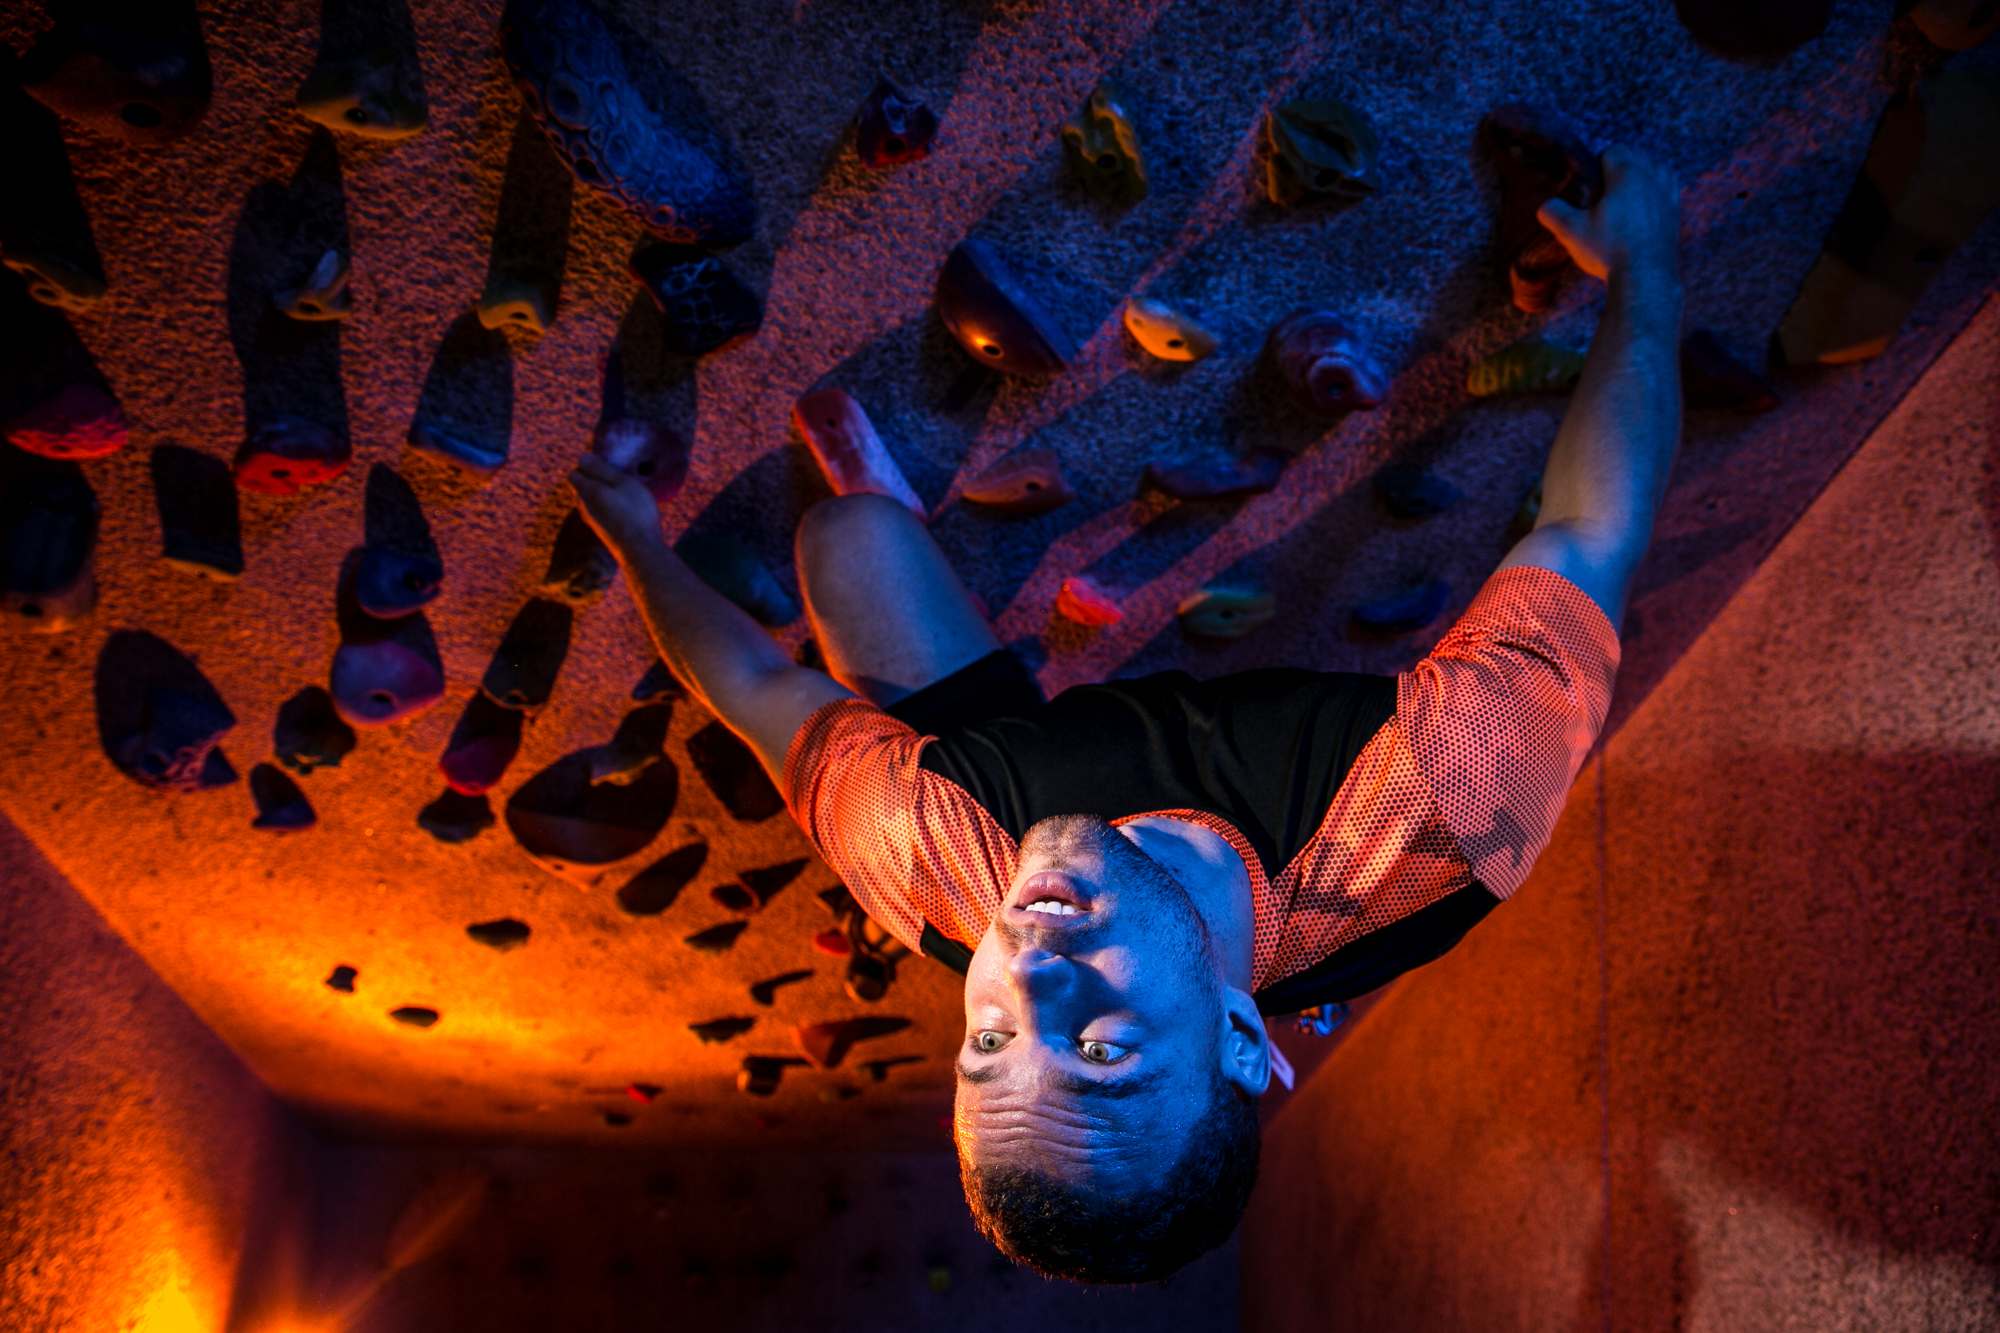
(910, 846)
(1465, 782)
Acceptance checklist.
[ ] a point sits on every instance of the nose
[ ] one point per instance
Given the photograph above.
(1040, 977)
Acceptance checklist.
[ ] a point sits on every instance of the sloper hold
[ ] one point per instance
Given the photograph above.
(844, 443)
(323, 297)
(580, 565)
(524, 668)
(760, 1074)
(482, 746)
(415, 1015)
(718, 1030)
(703, 307)
(504, 935)
(455, 817)
(1754, 27)
(1408, 610)
(1324, 364)
(48, 530)
(765, 992)
(893, 127)
(80, 422)
(653, 453)
(566, 64)
(658, 686)
(1409, 492)
(1931, 176)
(281, 806)
(139, 73)
(363, 95)
(452, 445)
(1540, 156)
(1226, 612)
(64, 282)
(518, 301)
(1253, 474)
(389, 583)
(827, 1044)
(1027, 481)
(1081, 600)
(1167, 333)
(640, 741)
(284, 455)
(176, 749)
(342, 979)
(1533, 366)
(654, 889)
(388, 674)
(200, 529)
(1103, 148)
(309, 733)
(574, 827)
(733, 774)
(735, 571)
(1712, 377)
(1321, 149)
(993, 316)
(716, 939)
(754, 889)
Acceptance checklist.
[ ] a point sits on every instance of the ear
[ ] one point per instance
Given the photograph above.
(1246, 1047)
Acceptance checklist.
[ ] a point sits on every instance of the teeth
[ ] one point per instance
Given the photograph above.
(1052, 907)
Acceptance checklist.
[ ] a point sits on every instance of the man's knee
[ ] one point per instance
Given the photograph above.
(847, 525)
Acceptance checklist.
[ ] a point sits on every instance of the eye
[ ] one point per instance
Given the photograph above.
(990, 1041)
(1101, 1052)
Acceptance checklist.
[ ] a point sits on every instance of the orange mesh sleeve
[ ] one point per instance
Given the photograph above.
(1501, 715)
(910, 846)
(1464, 782)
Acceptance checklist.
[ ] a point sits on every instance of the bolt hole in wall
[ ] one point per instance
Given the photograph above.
(1232, 344)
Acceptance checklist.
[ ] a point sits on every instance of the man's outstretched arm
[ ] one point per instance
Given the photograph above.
(1607, 470)
(706, 640)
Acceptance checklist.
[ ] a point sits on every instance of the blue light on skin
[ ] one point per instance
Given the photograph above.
(1092, 1035)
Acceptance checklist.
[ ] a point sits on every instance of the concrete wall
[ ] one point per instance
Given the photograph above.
(150, 1182)
(1728, 1060)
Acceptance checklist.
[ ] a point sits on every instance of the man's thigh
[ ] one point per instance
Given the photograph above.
(890, 614)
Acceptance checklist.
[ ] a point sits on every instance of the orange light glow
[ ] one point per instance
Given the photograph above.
(171, 1311)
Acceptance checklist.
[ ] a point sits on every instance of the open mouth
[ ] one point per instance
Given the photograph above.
(1052, 893)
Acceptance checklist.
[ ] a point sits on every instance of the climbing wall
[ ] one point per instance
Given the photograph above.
(400, 965)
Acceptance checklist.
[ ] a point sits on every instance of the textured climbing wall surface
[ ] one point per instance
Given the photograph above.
(1724, 1061)
(151, 1181)
(545, 1039)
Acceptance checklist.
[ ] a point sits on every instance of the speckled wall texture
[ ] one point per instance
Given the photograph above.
(541, 1043)
(1727, 1060)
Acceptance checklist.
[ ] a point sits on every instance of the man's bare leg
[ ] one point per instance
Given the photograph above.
(890, 614)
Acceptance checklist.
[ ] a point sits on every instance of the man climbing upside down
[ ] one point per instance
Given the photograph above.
(1132, 874)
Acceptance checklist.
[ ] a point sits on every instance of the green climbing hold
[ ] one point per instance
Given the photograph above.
(1526, 367)
(1321, 149)
(1226, 612)
(1104, 148)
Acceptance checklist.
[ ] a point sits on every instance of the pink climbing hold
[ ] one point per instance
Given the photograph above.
(1323, 361)
(647, 450)
(376, 682)
(849, 451)
(1087, 604)
(81, 422)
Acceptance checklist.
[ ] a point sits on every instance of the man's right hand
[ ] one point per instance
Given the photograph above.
(1635, 224)
(618, 506)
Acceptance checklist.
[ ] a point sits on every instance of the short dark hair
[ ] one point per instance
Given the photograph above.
(1092, 1236)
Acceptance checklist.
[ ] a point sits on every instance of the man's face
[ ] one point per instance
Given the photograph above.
(1093, 1013)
